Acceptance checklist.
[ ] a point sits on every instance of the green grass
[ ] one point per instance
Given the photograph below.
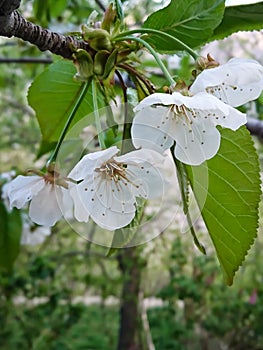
(63, 327)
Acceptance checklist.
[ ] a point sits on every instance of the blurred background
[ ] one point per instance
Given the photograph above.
(63, 292)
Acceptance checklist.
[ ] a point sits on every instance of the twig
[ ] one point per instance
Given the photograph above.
(255, 126)
(101, 5)
(26, 60)
(7, 7)
(46, 40)
(150, 87)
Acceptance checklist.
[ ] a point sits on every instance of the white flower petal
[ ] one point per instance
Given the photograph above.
(197, 143)
(108, 207)
(44, 209)
(91, 161)
(209, 107)
(144, 171)
(141, 155)
(32, 235)
(148, 180)
(109, 219)
(22, 189)
(233, 119)
(66, 205)
(155, 99)
(116, 196)
(204, 101)
(151, 129)
(80, 211)
(235, 83)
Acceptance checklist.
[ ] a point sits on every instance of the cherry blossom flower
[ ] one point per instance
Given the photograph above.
(110, 185)
(236, 82)
(161, 119)
(46, 198)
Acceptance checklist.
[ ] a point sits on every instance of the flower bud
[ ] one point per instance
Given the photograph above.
(109, 18)
(100, 60)
(98, 39)
(203, 63)
(84, 65)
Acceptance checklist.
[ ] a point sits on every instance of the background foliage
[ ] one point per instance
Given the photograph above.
(47, 281)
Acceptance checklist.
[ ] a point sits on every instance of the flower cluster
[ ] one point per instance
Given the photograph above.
(102, 186)
(105, 187)
(190, 121)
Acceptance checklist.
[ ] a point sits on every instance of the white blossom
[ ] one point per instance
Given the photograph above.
(7, 176)
(47, 200)
(32, 234)
(236, 82)
(110, 184)
(191, 122)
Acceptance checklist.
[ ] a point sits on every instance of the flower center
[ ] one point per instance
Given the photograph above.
(184, 113)
(55, 179)
(112, 170)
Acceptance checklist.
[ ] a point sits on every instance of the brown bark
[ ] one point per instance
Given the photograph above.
(130, 265)
(255, 126)
(8, 6)
(13, 24)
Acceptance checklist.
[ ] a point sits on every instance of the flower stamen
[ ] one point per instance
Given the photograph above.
(112, 170)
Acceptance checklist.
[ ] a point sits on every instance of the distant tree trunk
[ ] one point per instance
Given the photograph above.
(130, 264)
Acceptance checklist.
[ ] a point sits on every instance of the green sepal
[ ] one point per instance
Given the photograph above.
(84, 65)
(109, 18)
(100, 60)
(119, 10)
(98, 39)
(110, 64)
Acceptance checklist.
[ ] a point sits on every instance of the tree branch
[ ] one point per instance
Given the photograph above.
(255, 126)
(26, 60)
(13, 24)
(101, 5)
(7, 7)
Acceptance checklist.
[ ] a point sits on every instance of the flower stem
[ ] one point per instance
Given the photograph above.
(126, 144)
(83, 90)
(152, 51)
(97, 115)
(160, 33)
(181, 174)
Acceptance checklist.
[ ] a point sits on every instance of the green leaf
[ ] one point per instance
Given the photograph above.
(41, 11)
(10, 232)
(119, 10)
(192, 22)
(57, 7)
(46, 10)
(232, 190)
(45, 147)
(236, 18)
(52, 95)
